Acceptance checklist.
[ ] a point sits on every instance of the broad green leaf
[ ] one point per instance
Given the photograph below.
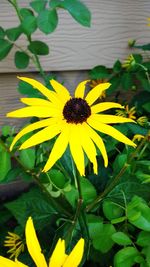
(27, 158)
(25, 12)
(12, 174)
(119, 220)
(143, 239)
(119, 162)
(115, 83)
(95, 224)
(99, 72)
(5, 47)
(38, 48)
(57, 178)
(47, 21)
(147, 107)
(38, 5)
(14, 33)
(111, 210)
(2, 33)
(29, 25)
(143, 47)
(5, 164)
(21, 60)
(6, 130)
(125, 257)
(78, 11)
(117, 67)
(121, 239)
(126, 81)
(27, 89)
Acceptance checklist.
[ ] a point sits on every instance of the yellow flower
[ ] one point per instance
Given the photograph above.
(129, 62)
(138, 137)
(58, 259)
(143, 121)
(127, 112)
(15, 244)
(74, 120)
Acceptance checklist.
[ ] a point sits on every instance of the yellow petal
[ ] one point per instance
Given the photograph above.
(110, 118)
(79, 92)
(59, 148)
(104, 106)
(41, 136)
(33, 245)
(75, 257)
(4, 262)
(107, 129)
(88, 146)
(76, 149)
(20, 264)
(62, 93)
(58, 255)
(95, 93)
(40, 87)
(32, 127)
(99, 143)
(40, 112)
(35, 102)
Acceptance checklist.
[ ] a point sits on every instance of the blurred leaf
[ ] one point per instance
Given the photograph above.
(6, 130)
(12, 174)
(99, 72)
(38, 5)
(119, 162)
(126, 80)
(47, 21)
(38, 48)
(14, 33)
(143, 47)
(95, 224)
(27, 158)
(5, 47)
(117, 67)
(143, 239)
(121, 239)
(78, 11)
(125, 257)
(2, 33)
(25, 12)
(5, 164)
(147, 107)
(112, 210)
(29, 25)
(115, 82)
(21, 60)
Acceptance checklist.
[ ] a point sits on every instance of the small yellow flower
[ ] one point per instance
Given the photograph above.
(58, 259)
(127, 112)
(129, 62)
(74, 120)
(137, 137)
(148, 23)
(15, 244)
(143, 121)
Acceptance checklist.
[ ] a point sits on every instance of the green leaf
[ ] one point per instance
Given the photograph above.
(6, 130)
(38, 5)
(5, 48)
(25, 12)
(146, 107)
(27, 89)
(125, 257)
(117, 67)
(95, 224)
(27, 158)
(29, 25)
(21, 60)
(5, 164)
(138, 213)
(143, 239)
(38, 48)
(119, 162)
(57, 178)
(115, 83)
(47, 21)
(14, 33)
(111, 210)
(2, 33)
(12, 175)
(78, 11)
(126, 81)
(121, 239)
(143, 47)
(99, 72)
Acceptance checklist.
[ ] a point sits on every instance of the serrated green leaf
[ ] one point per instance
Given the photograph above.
(5, 164)
(78, 11)
(143, 239)
(27, 158)
(29, 25)
(38, 48)
(38, 5)
(14, 33)
(27, 89)
(125, 257)
(99, 72)
(5, 48)
(121, 239)
(47, 21)
(2, 33)
(21, 60)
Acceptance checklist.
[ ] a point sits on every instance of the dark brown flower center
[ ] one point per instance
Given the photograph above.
(76, 110)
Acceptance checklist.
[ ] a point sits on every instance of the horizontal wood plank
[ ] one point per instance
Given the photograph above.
(74, 47)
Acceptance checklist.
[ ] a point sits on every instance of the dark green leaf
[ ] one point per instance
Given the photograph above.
(99, 72)
(5, 164)
(112, 210)
(27, 158)
(25, 12)
(29, 25)
(147, 107)
(119, 162)
(21, 60)
(14, 33)
(2, 33)
(6, 130)
(5, 48)
(78, 11)
(12, 175)
(47, 21)
(143, 239)
(115, 82)
(95, 224)
(121, 239)
(38, 5)
(117, 67)
(143, 47)
(27, 89)
(57, 178)
(125, 257)
(38, 48)
(126, 80)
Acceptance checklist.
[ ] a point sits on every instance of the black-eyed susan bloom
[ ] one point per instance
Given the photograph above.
(74, 120)
(58, 259)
